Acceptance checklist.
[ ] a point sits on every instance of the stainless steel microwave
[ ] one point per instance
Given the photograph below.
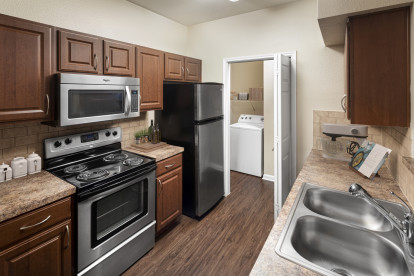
(87, 99)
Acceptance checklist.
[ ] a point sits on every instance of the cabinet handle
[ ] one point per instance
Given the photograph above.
(182, 69)
(67, 231)
(34, 225)
(160, 186)
(48, 104)
(169, 166)
(95, 61)
(343, 103)
(188, 71)
(106, 63)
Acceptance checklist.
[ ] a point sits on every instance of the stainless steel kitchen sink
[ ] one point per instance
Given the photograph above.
(334, 233)
(345, 208)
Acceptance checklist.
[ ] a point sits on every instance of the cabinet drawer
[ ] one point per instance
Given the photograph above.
(169, 164)
(33, 222)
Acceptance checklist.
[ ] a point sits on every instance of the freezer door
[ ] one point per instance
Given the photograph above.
(209, 174)
(208, 101)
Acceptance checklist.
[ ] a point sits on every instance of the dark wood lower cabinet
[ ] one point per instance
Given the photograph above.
(48, 253)
(38, 242)
(169, 193)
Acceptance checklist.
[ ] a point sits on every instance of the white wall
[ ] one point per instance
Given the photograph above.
(245, 75)
(287, 27)
(115, 19)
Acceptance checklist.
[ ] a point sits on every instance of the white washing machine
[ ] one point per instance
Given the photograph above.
(246, 145)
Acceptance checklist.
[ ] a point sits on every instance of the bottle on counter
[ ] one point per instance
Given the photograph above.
(157, 129)
(150, 131)
(154, 135)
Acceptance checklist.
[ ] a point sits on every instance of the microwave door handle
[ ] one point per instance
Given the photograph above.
(128, 100)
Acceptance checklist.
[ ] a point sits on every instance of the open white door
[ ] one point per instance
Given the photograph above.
(283, 132)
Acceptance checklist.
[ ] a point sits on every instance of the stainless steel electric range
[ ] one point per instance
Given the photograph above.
(115, 201)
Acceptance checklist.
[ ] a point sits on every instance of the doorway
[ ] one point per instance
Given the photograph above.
(247, 118)
(284, 106)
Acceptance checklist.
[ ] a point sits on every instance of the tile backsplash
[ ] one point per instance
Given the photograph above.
(23, 138)
(398, 139)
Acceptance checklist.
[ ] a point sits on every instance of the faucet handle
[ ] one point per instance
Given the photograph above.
(409, 214)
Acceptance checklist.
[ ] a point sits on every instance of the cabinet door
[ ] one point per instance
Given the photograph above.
(192, 69)
(174, 67)
(150, 71)
(119, 59)
(169, 197)
(79, 53)
(379, 64)
(25, 70)
(48, 253)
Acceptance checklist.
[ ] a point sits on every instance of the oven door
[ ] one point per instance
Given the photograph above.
(107, 219)
(80, 103)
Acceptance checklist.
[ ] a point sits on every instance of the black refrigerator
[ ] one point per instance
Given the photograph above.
(192, 118)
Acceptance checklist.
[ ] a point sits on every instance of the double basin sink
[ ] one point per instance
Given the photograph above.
(334, 233)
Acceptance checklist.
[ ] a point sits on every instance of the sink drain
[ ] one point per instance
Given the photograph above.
(342, 272)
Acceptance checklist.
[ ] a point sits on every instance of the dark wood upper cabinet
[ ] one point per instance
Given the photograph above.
(379, 68)
(192, 69)
(79, 53)
(182, 68)
(25, 70)
(119, 59)
(174, 67)
(150, 71)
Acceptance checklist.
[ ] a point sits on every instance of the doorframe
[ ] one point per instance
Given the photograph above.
(227, 110)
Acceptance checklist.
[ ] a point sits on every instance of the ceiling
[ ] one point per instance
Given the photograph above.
(190, 12)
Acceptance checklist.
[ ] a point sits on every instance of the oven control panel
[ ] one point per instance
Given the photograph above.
(59, 146)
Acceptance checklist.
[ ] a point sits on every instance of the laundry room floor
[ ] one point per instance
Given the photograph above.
(225, 242)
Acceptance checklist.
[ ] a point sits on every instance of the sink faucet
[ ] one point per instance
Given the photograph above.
(405, 226)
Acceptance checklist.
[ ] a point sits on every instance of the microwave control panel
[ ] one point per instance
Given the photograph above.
(134, 100)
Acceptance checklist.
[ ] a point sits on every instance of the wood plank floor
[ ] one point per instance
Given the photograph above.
(225, 242)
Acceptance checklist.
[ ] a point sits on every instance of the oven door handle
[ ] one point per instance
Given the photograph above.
(128, 101)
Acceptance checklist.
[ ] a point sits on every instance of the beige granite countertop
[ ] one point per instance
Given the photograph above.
(25, 194)
(324, 172)
(160, 153)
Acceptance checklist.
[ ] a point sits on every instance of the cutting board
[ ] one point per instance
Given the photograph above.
(147, 147)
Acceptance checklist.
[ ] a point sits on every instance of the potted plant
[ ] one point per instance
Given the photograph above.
(139, 136)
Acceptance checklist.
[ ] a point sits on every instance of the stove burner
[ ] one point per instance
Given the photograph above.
(90, 175)
(115, 157)
(75, 168)
(135, 161)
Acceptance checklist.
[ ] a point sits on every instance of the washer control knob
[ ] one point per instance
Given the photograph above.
(68, 141)
(114, 133)
(107, 133)
(57, 144)
(354, 131)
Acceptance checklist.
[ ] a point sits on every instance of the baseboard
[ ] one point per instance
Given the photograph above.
(268, 177)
